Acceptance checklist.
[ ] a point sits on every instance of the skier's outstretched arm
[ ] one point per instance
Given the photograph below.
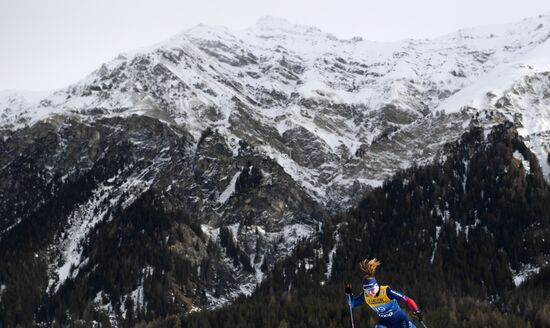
(409, 301)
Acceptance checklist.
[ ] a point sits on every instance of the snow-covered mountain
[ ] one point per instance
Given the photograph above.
(276, 84)
(263, 131)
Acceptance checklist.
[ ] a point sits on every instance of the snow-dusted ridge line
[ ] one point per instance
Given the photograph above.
(495, 35)
(366, 106)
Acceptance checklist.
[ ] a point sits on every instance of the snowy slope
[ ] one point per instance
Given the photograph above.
(276, 82)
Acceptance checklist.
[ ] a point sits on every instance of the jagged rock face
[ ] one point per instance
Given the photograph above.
(276, 82)
(257, 134)
(472, 227)
(68, 184)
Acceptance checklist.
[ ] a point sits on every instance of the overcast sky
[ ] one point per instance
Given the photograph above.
(48, 44)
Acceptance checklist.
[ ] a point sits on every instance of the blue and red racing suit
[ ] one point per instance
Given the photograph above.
(390, 315)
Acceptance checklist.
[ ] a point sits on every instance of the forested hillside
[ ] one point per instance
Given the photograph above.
(457, 236)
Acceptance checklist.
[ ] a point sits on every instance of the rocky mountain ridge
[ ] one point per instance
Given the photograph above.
(285, 82)
(258, 135)
(465, 237)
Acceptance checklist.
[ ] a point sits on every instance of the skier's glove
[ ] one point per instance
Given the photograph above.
(348, 291)
(418, 314)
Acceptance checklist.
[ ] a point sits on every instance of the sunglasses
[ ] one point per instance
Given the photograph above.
(369, 289)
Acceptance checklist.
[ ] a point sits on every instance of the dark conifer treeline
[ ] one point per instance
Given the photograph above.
(142, 236)
(23, 266)
(448, 235)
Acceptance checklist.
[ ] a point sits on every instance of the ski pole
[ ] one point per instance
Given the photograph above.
(420, 318)
(350, 311)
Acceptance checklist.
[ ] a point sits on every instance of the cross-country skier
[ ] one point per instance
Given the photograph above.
(383, 300)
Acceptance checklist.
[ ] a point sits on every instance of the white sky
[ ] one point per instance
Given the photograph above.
(48, 44)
